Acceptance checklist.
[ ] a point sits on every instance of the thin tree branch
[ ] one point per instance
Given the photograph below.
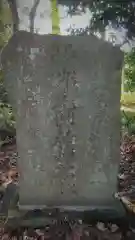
(32, 15)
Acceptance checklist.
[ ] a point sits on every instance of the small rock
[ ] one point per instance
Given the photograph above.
(101, 226)
(114, 228)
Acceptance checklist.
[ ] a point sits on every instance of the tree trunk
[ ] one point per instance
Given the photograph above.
(55, 18)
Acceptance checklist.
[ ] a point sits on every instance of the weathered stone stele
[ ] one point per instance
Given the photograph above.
(66, 94)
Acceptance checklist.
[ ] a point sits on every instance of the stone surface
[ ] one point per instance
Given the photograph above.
(66, 95)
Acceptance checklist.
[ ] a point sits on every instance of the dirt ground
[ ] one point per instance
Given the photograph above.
(60, 233)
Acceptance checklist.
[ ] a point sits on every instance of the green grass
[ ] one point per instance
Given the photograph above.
(128, 103)
(128, 99)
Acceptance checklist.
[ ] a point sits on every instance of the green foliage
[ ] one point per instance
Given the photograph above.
(3, 93)
(117, 13)
(129, 71)
(128, 97)
(128, 122)
(105, 12)
(7, 121)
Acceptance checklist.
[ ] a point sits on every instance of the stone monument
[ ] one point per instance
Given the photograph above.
(65, 91)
